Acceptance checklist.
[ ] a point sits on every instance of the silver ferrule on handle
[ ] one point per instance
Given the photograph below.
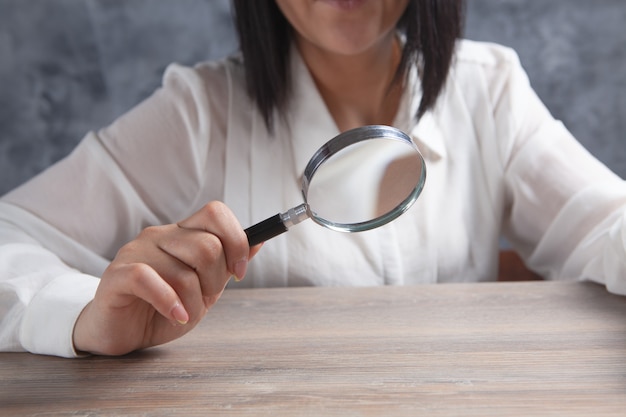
(295, 215)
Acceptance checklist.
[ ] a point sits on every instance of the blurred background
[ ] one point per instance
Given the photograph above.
(70, 66)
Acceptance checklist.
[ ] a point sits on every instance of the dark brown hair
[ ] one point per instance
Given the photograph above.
(431, 27)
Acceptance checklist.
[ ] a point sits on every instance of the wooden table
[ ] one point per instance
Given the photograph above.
(500, 349)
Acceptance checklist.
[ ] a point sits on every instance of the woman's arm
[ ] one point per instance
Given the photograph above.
(565, 210)
(60, 231)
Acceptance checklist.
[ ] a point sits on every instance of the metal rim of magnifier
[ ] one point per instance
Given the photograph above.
(350, 137)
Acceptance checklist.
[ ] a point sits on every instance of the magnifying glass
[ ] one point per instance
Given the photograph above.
(359, 180)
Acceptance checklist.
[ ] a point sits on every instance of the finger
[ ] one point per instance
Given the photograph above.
(217, 219)
(199, 253)
(142, 281)
(171, 265)
(191, 261)
(191, 286)
(254, 250)
(203, 254)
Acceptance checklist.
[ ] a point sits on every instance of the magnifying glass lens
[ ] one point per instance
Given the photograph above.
(359, 180)
(366, 181)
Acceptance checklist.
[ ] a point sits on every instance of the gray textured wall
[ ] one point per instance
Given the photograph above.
(69, 66)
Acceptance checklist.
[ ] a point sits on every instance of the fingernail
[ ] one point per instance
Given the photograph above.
(180, 314)
(240, 269)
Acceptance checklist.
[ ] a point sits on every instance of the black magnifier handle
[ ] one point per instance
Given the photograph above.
(265, 230)
(276, 225)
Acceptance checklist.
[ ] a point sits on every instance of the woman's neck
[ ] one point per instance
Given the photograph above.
(357, 89)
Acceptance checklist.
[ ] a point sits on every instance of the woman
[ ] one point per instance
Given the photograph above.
(115, 248)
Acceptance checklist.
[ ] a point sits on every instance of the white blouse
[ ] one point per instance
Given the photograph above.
(498, 164)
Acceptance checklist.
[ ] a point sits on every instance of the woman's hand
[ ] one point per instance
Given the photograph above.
(160, 285)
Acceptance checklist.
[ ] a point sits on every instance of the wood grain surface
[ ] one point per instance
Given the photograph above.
(529, 348)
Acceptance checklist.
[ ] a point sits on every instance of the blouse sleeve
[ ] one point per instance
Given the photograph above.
(565, 210)
(59, 231)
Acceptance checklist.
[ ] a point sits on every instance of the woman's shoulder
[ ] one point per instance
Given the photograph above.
(487, 70)
(207, 89)
(216, 78)
(484, 56)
